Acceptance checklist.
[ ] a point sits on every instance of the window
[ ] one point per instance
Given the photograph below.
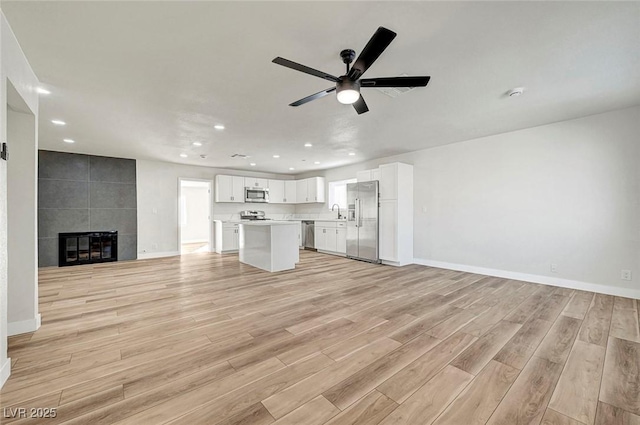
(338, 193)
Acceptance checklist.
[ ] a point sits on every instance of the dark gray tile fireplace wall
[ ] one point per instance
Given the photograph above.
(81, 193)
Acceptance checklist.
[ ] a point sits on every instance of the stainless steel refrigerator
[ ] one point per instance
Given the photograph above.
(362, 221)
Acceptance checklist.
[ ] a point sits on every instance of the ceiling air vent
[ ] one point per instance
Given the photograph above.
(395, 91)
(239, 155)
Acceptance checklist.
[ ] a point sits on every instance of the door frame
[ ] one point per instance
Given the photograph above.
(210, 221)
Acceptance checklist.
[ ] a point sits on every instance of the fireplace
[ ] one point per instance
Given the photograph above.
(87, 247)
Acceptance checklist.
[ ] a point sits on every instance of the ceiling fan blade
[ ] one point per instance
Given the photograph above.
(374, 48)
(315, 96)
(305, 69)
(360, 105)
(395, 82)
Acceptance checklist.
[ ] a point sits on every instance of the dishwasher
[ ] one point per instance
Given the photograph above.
(308, 235)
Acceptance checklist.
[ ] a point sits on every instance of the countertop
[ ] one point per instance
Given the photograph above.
(287, 219)
(268, 223)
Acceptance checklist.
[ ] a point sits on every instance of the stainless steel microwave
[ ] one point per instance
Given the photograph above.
(256, 194)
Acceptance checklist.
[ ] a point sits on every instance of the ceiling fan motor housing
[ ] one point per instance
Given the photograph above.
(347, 90)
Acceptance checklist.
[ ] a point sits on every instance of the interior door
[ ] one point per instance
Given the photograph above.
(368, 223)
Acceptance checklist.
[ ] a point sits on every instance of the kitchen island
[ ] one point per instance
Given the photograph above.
(269, 245)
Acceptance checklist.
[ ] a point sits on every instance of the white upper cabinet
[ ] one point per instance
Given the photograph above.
(290, 191)
(302, 193)
(256, 182)
(229, 188)
(276, 192)
(388, 182)
(310, 190)
(282, 191)
(368, 175)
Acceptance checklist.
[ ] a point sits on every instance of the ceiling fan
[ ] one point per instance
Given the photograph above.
(348, 85)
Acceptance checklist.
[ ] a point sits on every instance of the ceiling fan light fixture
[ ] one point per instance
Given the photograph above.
(348, 91)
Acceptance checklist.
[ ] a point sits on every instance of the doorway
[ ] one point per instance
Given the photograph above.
(195, 229)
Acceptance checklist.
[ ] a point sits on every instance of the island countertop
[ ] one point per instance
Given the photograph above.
(268, 223)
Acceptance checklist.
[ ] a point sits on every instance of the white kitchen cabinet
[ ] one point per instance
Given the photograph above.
(310, 190)
(256, 182)
(276, 192)
(302, 194)
(368, 175)
(396, 214)
(331, 237)
(282, 191)
(226, 237)
(388, 230)
(341, 240)
(229, 188)
(290, 192)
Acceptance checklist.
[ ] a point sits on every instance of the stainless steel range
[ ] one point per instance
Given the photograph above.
(253, 215)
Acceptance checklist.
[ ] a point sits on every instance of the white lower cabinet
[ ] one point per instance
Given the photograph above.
(331, 237)
(227, 237)
(341, 240)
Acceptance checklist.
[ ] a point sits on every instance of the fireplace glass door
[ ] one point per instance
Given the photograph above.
(87, 247)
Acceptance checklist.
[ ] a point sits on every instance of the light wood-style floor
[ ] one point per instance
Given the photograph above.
(203, 339)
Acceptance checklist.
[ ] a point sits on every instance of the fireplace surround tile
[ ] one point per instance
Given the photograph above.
(112, 195)
(51, 220)
(115, 170)
(125, 221)
(63, 194)
(63, 166)
(81, 193)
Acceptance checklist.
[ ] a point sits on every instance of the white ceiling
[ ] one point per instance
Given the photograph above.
(146, 79)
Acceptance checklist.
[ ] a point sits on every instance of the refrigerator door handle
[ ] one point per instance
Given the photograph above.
(357, 212)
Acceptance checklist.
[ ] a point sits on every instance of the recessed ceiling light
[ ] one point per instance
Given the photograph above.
(317, 162)
(253, 164)
(41, 90)
(352, 153)
(58, 122)
(276, 156)
(291, 168)
(197, 144)
(219, 127)
(183, 155)
(307, 145)
(68, 140)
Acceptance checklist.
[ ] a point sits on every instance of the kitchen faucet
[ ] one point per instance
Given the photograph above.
(336, 205)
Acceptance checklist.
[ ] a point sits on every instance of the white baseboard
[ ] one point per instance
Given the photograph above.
(5, 371)
(544, 280)
(24, 326)
(148, 255)
(195, 241)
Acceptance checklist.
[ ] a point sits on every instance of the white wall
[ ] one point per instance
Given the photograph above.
(157, 187)
(22, 277)
(13, 67)
(566, 193)
(195, 214)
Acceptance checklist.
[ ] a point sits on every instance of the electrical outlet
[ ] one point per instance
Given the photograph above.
(554, 268)
(625, 274)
